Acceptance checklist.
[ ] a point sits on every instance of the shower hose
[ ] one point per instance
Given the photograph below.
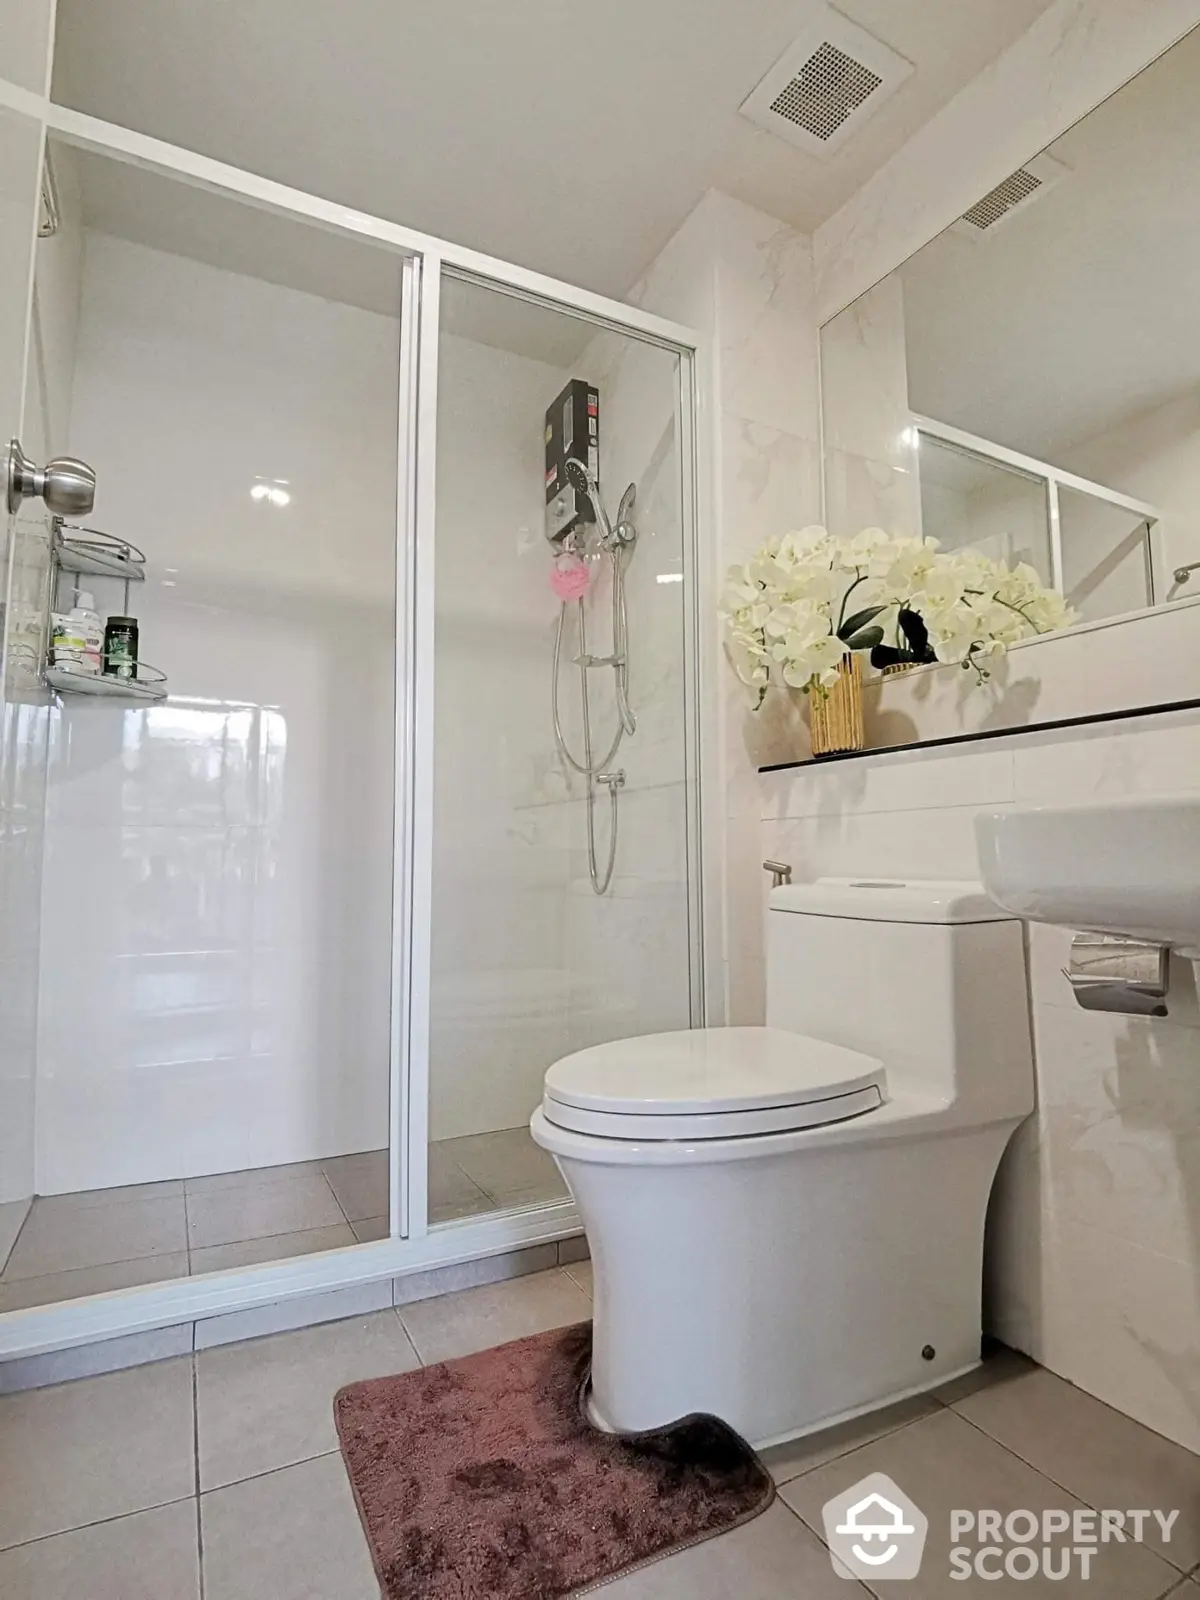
(595, 772)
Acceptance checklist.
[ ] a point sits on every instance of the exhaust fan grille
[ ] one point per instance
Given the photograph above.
(1000, 200)
(827, 89)
(834, 76)
(1012, 195)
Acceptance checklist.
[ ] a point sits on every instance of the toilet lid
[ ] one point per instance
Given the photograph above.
(711, 1083)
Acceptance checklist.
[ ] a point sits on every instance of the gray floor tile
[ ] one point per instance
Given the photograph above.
(461, 1275)
(580, 1272)
(774, 1557)
(250, 1177)
(360, 1183)
(275, 1247)
(85, 1199)
(1103, 1457)
(786, 1461)
(267, 1403)
(507, 1165)
(291, 1535)
(151, 1555)
(475, 1319)
(63, 1239)
(46, 1291)
(258, 1211)
(96, 1448)
(451, 1193)
(369, 1229)
(998, 1365)
(944, 1463)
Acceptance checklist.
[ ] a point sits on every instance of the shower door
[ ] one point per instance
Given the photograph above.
(23, 711)
(563, 897)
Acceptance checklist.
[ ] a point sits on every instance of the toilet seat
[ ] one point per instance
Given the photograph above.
(711, 1083)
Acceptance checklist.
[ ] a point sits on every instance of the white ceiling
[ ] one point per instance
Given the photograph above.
(570, 139)
(1080, 311)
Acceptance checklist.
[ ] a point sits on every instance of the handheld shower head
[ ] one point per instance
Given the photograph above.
(582, 481)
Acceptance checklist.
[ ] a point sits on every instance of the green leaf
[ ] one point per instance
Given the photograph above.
(866, 640)
(859, 620)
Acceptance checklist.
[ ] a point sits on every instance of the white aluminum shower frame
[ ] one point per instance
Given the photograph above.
(1055, 479)
(412, 1246)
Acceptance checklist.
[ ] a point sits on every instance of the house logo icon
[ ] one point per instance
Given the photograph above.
(874, 1530)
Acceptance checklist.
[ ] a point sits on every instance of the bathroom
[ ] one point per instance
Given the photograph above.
(298, 921)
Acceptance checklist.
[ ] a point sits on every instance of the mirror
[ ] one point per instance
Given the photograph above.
(1028, 384)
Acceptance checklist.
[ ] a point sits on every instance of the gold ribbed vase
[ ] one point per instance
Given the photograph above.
(837, 715)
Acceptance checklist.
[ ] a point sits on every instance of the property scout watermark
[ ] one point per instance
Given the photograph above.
(874, 1530)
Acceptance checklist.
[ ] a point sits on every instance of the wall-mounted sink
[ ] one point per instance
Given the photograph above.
(1123, 867)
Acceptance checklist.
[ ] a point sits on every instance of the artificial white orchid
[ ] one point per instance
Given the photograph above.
(790, 615)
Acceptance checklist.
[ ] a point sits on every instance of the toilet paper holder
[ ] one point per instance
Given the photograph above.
(1108, 972)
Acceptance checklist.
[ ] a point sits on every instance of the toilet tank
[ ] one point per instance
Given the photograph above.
(927, 976)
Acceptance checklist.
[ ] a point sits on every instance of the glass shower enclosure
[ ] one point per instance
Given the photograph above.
(561, 827)
(472, 709)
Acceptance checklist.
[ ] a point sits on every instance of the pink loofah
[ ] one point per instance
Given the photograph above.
(569, 577)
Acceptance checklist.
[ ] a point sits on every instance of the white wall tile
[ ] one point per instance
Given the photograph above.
(1120, 1125)
(978, 776)
(222, 851)
(1125, 1327)
(1158, 756)
(918, 843)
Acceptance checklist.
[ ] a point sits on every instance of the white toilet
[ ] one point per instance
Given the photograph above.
(786, 1223)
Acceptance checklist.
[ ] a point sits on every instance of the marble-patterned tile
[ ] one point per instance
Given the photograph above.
(1120, 1124)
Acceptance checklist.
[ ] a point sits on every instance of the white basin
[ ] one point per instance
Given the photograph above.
(1126, 866)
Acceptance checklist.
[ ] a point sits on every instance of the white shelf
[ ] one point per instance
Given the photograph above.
(107, 687)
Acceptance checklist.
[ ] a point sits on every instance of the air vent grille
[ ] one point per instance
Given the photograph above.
(1000, 200)
(1011, 197)
(826, 85)
(827, 89)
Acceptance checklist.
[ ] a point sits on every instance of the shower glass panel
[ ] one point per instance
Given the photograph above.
(212, 1081)
(970, 500)
(561, 834)
(1105, 556)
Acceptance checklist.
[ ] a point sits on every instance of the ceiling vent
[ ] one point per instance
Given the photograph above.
(826, 85)
(1015, 194)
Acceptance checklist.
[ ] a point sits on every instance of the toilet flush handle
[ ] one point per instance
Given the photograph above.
(780, 872)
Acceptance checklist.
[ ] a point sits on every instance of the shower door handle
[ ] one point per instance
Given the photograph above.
(66, 484)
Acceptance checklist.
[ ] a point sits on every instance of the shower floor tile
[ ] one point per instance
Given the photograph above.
(101, 1240)
(507, 1165)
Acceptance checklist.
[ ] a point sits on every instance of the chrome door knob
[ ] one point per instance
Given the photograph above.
(66, 484)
